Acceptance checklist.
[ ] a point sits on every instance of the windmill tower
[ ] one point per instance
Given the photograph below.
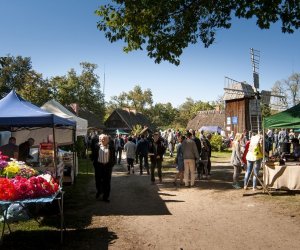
(243, 101)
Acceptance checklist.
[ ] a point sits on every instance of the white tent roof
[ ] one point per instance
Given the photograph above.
(59, 110)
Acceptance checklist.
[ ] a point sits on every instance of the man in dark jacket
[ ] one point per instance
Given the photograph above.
(24, 150)
(103, 157)
(142, 150)
(199, 164)
(156, 152)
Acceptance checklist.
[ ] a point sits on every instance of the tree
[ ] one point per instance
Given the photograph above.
(83, 89)
(290, 88)
(136, 98)
(165, 28)
(35, 89)
(265, 110)
(163, 115)
(140, 99)
(13, 73)
(189, 109)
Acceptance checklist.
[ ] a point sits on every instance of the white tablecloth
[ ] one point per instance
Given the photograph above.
(283, 177)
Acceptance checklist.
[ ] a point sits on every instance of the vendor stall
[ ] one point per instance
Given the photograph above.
(20, 184)
(59, 110)
(283, 172)
(71, 165)
(25, 120)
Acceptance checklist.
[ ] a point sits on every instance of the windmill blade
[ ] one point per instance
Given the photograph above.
(265, 97)
(271, 94)
(275, 101)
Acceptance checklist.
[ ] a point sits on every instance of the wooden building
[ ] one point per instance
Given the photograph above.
(207, 118)
(242, 108)
(126, 119)
(95, 122)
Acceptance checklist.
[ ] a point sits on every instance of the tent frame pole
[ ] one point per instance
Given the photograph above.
(55, 151)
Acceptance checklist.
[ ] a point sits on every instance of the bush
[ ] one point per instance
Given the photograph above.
(80, 147)
(216, 143)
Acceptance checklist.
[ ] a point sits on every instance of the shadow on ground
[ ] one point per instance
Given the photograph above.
(99, 238)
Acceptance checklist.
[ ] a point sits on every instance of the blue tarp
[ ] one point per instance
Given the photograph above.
(17, 112)
(213, 129)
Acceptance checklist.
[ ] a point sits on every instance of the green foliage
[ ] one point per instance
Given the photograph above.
(189, 109)
(80, 147)
(162, 114)
(265, 110)
(83, 89)
(35, 89)
(136, 130)
(165, 28)
(13, 73)
(137, 99)
(216, 142)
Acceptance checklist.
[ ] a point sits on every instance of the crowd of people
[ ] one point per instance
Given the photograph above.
(247, 152)
(192, 156)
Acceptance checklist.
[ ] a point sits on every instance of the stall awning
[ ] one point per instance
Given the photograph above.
(289, 118)
(56, 108)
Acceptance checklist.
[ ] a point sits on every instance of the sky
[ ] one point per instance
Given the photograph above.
(59, 34)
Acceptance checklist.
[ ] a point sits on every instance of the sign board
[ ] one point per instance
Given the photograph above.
(234, 120)
(228, 120)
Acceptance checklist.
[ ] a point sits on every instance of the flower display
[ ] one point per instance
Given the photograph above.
(14, 168)
(19, 182)
(20, 188)
(7, 189)
(3, 162)
(11, 170)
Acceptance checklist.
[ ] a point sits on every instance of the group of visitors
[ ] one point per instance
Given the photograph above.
(153, 147)
(13, 151)
(106, 152)
(248, 154)
(193, 154)
(192, 157)
(275, 139)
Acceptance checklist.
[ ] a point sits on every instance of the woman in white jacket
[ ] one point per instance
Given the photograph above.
(254, 158)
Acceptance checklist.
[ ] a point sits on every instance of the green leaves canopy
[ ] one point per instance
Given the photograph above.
(165, 28)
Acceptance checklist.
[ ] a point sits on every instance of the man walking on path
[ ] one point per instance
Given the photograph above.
(103, 157)
(142, 150)
(130, 149)
(190, 156)
(156, 152)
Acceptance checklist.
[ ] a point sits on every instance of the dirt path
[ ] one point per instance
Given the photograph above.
(210, 216)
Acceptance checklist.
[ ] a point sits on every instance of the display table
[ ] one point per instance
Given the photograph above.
(283, 177)
(4, 206)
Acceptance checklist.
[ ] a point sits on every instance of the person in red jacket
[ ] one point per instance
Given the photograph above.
(244, 161)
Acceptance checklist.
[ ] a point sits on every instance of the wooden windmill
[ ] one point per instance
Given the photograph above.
(243, 101)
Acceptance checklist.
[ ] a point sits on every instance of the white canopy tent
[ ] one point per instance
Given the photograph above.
(59, 110)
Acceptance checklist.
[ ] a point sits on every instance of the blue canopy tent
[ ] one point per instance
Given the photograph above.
(25, 120)
(17, 112)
